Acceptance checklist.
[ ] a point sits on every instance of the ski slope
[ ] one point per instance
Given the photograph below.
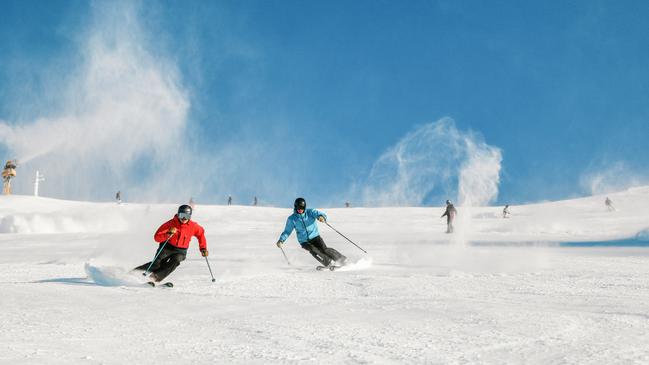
(498, 291)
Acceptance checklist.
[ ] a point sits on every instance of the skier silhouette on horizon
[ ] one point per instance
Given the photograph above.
(450, 214)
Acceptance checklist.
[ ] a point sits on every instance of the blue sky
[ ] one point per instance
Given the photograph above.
(307, 95)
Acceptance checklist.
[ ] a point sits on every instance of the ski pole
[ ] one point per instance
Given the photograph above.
(288, 262)
(156, 255)
(345, 237)
(208, 266)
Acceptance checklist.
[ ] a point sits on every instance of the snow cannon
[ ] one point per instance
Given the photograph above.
(9, 170)
(8, 173)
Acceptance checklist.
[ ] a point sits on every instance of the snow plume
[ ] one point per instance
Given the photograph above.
(612, 178)
(479, 174)
(122, 115)
(433, 163)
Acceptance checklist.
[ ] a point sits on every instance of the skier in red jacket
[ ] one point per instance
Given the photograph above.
(174, 237)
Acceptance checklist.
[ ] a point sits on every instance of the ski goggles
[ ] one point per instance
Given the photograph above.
(183, 215)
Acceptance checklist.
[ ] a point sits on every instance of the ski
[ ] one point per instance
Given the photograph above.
(168, 284)
(331, 267)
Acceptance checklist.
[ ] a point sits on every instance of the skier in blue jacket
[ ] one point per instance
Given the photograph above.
(304, 222)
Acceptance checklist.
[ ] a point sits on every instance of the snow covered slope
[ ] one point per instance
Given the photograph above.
(498, 291)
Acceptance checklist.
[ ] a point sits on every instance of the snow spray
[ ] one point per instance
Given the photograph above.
(121, 106)
(433, 163)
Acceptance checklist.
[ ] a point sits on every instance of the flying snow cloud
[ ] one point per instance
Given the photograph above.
(434, 162)
(122, 113)
(612, 178)
(479, 173)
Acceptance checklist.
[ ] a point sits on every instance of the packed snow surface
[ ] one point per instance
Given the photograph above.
(497, 291)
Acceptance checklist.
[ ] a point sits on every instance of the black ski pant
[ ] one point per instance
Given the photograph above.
(166, 262)
(318, 249)
(449, 225)
(449, 222)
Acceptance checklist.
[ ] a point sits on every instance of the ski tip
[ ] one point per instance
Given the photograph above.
(150, 283)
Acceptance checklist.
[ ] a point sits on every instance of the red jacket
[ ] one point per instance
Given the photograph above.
(183, 234)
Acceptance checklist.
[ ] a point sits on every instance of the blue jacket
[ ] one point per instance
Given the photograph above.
(304, 224)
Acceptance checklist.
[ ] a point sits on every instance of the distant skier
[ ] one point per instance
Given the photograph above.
(229, 200)
(174, 237)
(304, 222)
(254, 202)
(118, 197)
(609, 204)
(506, 212)
(450, 214)
(346, 204)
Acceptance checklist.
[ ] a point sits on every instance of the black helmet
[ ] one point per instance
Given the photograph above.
(185, 210)
(300, 203)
